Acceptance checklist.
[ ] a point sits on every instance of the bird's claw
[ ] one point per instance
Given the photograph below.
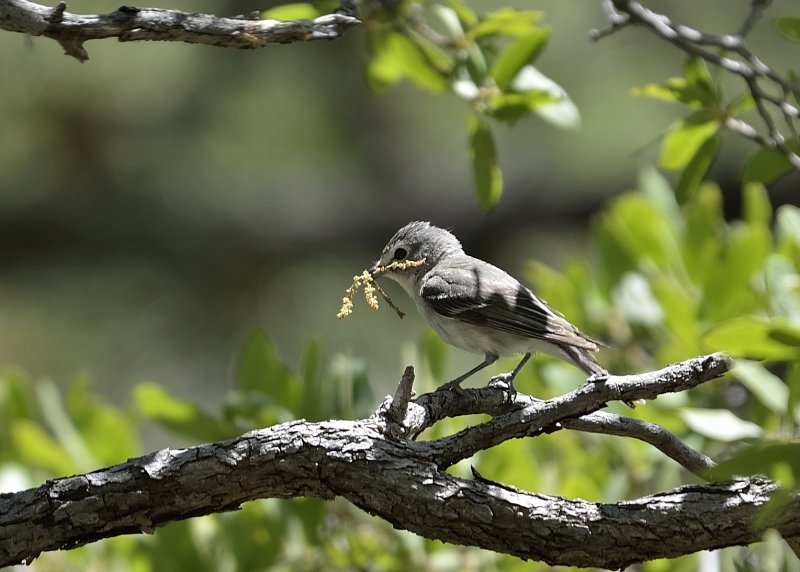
(503, 381)
(597, 377)
(454, 385)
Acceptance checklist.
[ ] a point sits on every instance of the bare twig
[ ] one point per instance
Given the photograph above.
(730, 53)
(129, 24)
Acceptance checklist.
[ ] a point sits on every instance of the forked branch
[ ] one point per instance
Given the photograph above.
(372, 465)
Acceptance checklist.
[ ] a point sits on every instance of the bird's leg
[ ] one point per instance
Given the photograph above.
(508, 378)
(456, 383)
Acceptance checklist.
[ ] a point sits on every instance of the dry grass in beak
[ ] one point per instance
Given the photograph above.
(367, 281)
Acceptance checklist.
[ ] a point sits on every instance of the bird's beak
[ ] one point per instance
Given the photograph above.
(374, 268)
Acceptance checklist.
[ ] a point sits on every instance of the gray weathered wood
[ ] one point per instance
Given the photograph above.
(403, 481)
(136, 24)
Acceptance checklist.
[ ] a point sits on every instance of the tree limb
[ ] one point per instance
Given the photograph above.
(130, 24)
(403, 482)
(730, 53)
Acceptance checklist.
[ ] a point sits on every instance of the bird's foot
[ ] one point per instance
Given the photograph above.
(598, 377)
(453, 385)
(503, 381)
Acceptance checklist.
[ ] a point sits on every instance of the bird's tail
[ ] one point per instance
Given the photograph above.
(584, 359)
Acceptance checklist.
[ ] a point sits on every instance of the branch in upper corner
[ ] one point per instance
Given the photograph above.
(730, 53)
(130, 24)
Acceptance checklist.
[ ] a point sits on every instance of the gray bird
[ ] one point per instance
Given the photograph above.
(480, 308)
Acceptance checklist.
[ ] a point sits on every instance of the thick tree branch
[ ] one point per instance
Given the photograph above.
(730, 53)
(130, 24)
(401, 481)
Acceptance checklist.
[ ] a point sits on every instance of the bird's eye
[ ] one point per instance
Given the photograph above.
(400, 253)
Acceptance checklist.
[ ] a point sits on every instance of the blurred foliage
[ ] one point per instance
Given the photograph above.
(484, 59)
(673, 279)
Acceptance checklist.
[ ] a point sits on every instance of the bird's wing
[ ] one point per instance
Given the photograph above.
(479, 293)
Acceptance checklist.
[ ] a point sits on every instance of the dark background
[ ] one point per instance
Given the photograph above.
(161, 201)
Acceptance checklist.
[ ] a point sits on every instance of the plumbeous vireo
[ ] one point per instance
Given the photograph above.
(478, 307)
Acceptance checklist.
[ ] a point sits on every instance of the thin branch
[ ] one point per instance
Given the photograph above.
(428, 409)
(757, 8)
(541, 415)
(129, 24)
(748, 66)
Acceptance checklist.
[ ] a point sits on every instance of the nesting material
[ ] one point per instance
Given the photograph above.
(366, 280)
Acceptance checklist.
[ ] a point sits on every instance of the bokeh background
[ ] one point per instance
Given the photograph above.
(162, 201)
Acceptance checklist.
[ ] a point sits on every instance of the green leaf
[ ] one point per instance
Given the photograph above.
(755, 338)
(783, 286)
(765, 166)
(519, 54)
(311, 406)
(793, 381)
(297, 11)
(37, 448)
(434, 350)
(698, 77)
(768, 388)
(156, 403)
(757, 207)
(642, 230)
(511, 107)
(696, 170)
(465, 14)
(261, 371)
(562, 112)
(788, 27)
(705, 227)
(683, 143)
(482, 154)
(396, 57)
(760, 458)
(506, 22)
(634, 298)
(720, 424)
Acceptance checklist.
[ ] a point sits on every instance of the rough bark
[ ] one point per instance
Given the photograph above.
(372, 464)
(129, 24)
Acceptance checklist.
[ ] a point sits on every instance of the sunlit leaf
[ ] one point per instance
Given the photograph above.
(397, 57)
(312, 406)
(506, 22)
(297, 11)
(696, 170)
(519, 54)
(685, 140)
(562, 112)
(720, 424)
(765, 386)
(465, 14)
(486, 172)
(788, 27)
(705, 224)
(635, 300)
(757, 208)
(511, 107)
(37, 448)
(434, 350)
(783, 285)
(184, 417)
(765, 166)
(760, 458)
(261, 370)
(697, 75)
(755, 338)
